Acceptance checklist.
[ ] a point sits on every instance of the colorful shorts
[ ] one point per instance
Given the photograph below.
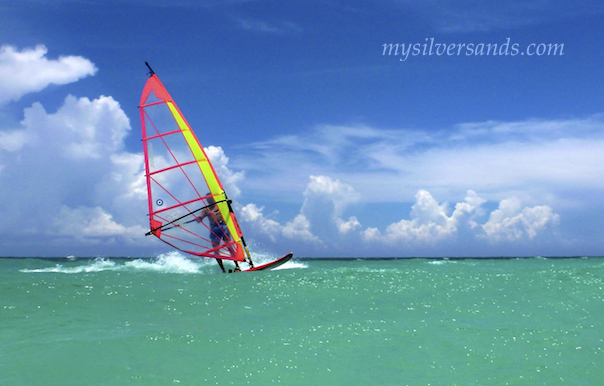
(219, 232)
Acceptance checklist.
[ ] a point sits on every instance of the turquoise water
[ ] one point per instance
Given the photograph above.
(385, 322)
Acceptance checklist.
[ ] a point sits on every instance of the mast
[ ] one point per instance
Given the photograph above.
(151, 73)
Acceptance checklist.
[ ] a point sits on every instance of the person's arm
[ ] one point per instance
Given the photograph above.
(204, 214)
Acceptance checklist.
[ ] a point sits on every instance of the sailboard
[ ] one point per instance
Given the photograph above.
(188, 206)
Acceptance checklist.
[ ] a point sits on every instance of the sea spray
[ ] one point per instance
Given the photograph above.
(171, 262)
(96, 265)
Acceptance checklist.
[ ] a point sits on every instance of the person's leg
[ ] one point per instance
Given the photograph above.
(221, 264)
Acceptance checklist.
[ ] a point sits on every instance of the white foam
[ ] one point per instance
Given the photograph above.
(261, 258)
(441, 262)
(172, 262)
(292, 265)
(96, 265)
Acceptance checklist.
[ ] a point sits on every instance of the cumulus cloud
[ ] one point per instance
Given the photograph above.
(345, 227)
(325, 200)
(299, 228)
(12, 140)
(429, 222)
(319, 220)
(229, 179)
(87, 222)
(81, 129)
(66, 174)
(253, 214)
(511, 222)
(339, 194)
(29, 70)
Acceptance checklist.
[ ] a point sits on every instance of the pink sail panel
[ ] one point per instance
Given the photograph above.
(188, 208)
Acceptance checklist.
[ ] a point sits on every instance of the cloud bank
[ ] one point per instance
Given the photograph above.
(68, 175)
(537, 160)
(520, 180)
(431, 223)
(66, 179)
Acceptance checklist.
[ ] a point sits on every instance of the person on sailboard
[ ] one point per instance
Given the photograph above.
(218, 229)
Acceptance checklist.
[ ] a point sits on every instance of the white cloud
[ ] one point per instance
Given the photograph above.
(319, 219)
(430, 224)
(12, 140)
(86, 222)
(345, 227)
(253, 214)
(512, 222)
(339, 194)
(122, 187)
(325, 200)
(28, 70)
(65, 175)
(81, 129)
(229, 179)
(534, 159)
(299, 228)
(278, 27)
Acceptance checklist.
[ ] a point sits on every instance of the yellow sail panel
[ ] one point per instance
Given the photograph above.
(208, 172)
(200, 156)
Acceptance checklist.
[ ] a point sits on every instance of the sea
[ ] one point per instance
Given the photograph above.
(171, 320)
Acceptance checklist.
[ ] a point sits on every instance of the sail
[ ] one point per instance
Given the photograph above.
(188, 207)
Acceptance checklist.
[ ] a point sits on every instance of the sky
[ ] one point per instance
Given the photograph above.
(386, 128)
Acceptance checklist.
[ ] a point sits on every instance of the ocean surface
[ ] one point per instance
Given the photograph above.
(170, 320)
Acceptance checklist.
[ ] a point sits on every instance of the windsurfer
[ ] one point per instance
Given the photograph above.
(218, 229)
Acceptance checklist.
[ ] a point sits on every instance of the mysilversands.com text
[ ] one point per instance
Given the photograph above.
(470, 49)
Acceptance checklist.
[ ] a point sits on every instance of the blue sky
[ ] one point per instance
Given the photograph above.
(329, 147)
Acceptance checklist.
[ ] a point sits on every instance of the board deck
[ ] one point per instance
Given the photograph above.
(272, 264)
